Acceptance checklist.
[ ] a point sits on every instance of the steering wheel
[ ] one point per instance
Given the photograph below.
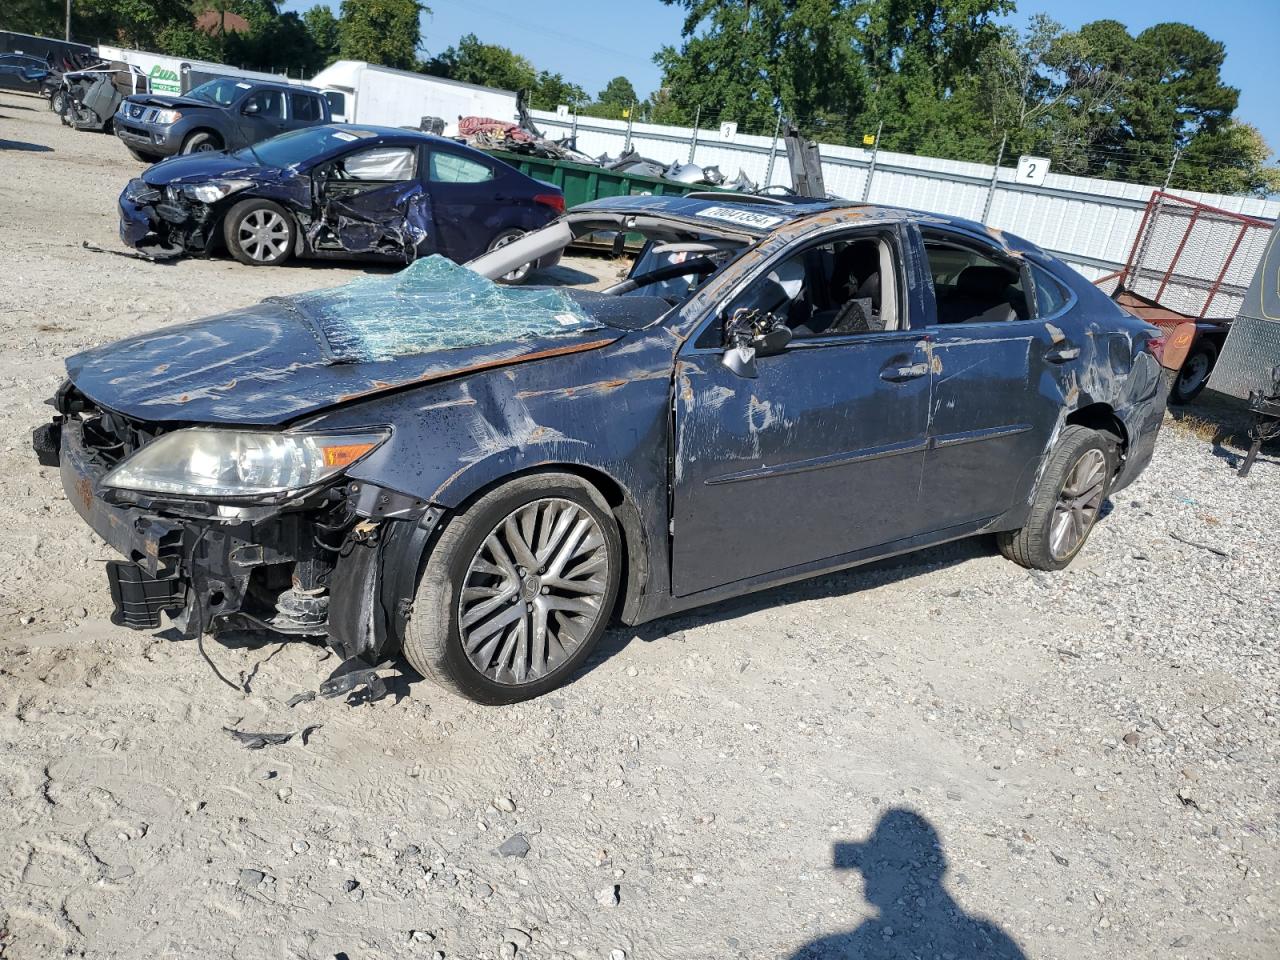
(702, 266)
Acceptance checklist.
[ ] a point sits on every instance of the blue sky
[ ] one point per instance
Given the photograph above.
(591, 41)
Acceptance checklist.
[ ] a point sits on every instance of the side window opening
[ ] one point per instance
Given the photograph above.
(451, 168)
(303, 106)
(270, 104)
(842, 287)
(1051, 296)
(971, 287)
(380, 163)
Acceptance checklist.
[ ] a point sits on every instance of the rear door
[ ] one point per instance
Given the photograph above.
(467, 195)
(305, 110)
(820, 454)
(1000, 372)
(372, 200)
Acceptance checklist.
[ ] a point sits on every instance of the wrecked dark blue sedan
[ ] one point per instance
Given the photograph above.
(337, 191)
(485, 476)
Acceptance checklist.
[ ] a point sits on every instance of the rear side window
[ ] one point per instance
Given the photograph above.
(303, 106)
(451, 168)
(1051, 296)
(970, 287)
(337, 103)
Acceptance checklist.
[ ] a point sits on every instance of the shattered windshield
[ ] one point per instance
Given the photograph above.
(434, 304)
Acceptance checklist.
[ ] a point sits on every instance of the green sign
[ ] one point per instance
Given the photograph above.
(164, 80)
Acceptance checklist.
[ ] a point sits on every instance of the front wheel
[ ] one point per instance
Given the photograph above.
(1066, 503)
(202, 142)
(58, 102)
(517, 590)
(144, 156)
(521, 273)
(259, 233)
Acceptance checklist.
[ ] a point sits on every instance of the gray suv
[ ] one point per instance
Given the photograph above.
(224, 114)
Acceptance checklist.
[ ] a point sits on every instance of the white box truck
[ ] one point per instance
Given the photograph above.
(360, 92)
(178, 75)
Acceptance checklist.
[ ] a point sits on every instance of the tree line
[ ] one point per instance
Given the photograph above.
(943, 78)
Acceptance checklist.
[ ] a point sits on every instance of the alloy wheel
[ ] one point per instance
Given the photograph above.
(1078, 504)
(263, 234)
(520, 272)
(534, 591)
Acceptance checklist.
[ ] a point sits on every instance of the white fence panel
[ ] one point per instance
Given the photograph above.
(1090, 223)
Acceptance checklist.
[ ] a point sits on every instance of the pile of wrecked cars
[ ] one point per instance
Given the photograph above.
(486, 476)
(337, 191)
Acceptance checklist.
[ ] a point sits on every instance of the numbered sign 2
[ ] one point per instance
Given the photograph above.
(1031, 170)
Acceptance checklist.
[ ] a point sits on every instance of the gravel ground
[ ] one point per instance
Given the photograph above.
(942, 756)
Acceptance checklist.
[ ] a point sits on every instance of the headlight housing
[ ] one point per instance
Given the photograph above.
(214, 190)
(204, 462)
(168, 116)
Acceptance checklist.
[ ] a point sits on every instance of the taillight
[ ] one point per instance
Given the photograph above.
(553, 200)
(1155, 347)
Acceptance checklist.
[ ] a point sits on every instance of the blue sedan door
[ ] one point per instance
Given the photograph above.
(470, 208)
(372, 199)
(820, 455)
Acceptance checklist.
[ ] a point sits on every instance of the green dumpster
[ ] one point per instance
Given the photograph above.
(582, 182)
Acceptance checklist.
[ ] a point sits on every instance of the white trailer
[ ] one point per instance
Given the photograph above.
(177, 75)
(360, 92)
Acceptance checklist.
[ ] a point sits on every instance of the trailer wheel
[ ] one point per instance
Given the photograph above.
(1194, 373)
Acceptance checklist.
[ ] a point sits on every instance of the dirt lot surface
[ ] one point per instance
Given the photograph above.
(944, 756)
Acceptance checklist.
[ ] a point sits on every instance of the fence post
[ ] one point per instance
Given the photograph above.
(573, 130)
(631, 110)
(693, 140)
(871, 170)
(773, 150)
(995, 175)
(1177, 152)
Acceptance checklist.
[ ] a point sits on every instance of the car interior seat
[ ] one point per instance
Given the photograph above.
(983, 294)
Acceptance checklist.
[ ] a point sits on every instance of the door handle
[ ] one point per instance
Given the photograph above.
(1062, 354)
(901, 374)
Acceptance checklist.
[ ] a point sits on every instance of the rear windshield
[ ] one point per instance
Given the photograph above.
(299, 145)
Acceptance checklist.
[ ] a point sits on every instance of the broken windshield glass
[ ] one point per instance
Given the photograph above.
(434, 304)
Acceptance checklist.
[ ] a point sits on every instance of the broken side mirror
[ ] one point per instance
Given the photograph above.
(750, 334)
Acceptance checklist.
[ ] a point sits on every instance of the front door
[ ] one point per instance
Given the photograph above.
(261, 117)
(821, 454)
(372, 200)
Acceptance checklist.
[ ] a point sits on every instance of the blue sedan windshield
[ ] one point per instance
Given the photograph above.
(299, 145)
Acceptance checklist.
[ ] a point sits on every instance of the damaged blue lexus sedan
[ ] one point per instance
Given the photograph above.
(485, 476)
(337, 191)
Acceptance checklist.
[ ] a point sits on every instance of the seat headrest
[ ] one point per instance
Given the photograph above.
(984, 281)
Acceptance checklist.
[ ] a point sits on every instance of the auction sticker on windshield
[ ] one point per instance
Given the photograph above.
(748, 218)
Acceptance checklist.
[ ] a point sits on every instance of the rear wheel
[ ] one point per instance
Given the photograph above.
(58, 102)
(520, 274)
(259, 233)
(202, 141)
(517, 590)
(1194, 373)
(1066, 503)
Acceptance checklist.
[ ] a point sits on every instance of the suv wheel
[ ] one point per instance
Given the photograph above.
(1066, 504)
(517, 590)
(259, 233)
(202, 142)
(144, 156)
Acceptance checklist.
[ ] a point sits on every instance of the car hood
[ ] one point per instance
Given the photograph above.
(169, 103)
(291, 357)
(197, 167)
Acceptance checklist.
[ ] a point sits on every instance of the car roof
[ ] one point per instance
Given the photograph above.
(753, 217)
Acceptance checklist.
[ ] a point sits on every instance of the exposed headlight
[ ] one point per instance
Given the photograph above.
(214, 190)
(168, 116)
(200, 462)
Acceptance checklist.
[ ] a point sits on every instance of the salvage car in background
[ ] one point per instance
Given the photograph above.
(223, 114)
(337, 191)
(20, 72)
(486, 475)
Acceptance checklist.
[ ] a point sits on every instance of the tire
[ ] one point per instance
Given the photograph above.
(202, 141)
(512, 671)
(144, 156)
(1038, 544)
(259, 233)
(58, 102)
(1194, 374)
(519, 275)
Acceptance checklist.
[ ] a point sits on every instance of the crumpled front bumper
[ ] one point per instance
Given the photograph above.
(158, 228)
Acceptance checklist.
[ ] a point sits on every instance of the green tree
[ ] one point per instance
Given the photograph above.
(322, 25)
(1231, 159)
(552, 89)
(488, 64)
(385, 32)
